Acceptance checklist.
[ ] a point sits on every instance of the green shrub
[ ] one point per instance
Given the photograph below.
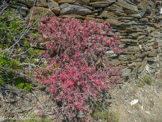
(21, 83)
(105, 116)
(146, 79)
(16, 49)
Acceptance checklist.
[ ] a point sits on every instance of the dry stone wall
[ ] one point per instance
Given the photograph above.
(137, 22)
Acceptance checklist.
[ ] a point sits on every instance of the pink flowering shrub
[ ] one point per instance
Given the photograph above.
(73, 76)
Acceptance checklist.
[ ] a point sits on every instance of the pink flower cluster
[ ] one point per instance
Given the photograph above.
(72, 73)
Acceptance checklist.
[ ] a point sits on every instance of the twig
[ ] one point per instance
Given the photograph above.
(4, 6)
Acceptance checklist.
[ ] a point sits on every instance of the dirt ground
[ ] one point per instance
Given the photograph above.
(131, 102)
(138, 104)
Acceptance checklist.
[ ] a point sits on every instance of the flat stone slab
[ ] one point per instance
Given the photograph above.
(74, 9)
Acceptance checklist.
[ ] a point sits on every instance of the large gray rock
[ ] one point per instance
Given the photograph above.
(124, 57)
(107, 15)
(126, 5)
(42, 3)
(27, 3)
(114, 22)
(126, 72)
(83, 2)
(111, 54)
(118, 10)
(54, 6)
(74, 9)
(102, 3)
(37, 11)
(65, 1)
(133, 49)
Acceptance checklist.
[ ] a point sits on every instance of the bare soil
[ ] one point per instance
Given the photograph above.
(148, 106)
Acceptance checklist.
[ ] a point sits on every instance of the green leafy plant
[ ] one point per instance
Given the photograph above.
(105, 116)
(4, 62)
(5, 77)
(16, 51)
(146, 79)
(21, 83)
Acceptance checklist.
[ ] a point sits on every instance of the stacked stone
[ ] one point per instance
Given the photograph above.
(137, 22)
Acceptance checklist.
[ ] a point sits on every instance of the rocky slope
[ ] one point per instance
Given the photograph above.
(139, 25)
(137, 22)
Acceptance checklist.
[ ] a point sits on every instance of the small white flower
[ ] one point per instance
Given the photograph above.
(135, 101)
(161, 11)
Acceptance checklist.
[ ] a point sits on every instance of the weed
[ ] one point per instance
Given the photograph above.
(105, 116)
(146, 79)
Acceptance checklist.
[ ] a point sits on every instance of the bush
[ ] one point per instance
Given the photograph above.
(15, 48)
(106, 116)
(72, 74)
(146, 79)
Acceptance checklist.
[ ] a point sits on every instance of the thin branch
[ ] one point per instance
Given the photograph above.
(4, 6)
